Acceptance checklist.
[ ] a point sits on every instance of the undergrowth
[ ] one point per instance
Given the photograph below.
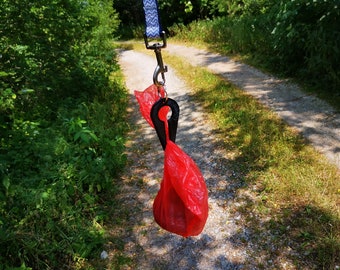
(53, 219)
(62, 127)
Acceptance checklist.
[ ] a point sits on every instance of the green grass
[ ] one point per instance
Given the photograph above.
(301, 189)
(296, 187)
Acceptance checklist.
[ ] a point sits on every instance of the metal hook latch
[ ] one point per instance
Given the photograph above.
(160, 69)
(156, 45)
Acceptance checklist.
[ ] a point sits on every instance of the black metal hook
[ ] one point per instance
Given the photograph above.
(172, 122)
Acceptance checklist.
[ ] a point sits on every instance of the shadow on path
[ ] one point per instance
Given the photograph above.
(229, 240)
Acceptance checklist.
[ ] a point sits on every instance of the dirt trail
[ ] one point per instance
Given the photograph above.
(150, 246)
(226, 242)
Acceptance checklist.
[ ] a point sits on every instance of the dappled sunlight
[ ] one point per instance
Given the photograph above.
(239, 232)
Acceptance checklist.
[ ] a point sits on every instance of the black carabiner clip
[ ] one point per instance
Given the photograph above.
(172, 122)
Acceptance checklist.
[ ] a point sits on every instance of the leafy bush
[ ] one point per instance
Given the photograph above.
(294, 38)
(307, 38)
(62, 130)
(299, 38)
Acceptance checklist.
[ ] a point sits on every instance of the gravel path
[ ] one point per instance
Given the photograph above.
(152, 247)
(226, 242)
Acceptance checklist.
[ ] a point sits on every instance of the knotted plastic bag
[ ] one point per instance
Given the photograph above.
(181, 205)
(147, 98)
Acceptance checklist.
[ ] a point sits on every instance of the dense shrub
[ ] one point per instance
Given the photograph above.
(61, 129)
(294, 38)
(306, 38)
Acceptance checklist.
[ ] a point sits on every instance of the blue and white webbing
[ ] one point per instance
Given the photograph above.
(153, 27)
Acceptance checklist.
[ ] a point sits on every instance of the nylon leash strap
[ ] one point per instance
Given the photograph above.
(153, 28)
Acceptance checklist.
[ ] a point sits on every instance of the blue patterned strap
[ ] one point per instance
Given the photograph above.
(153, 27)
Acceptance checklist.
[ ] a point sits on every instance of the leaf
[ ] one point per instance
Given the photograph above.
(77, 136)
(6, 183)
(26, 91)
(45, 195)
(3, 74)
(84, 137)
(93, 136)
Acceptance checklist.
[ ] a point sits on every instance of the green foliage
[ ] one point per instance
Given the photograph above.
(185, 11)
(238, 8)
(61, 130)
(171, 12)
(293, 38)
(307, 39)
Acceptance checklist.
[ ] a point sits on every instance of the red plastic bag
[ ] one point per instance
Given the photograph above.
(147, 98)
(181, 205)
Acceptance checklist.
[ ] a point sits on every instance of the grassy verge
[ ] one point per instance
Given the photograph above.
(298, 191)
